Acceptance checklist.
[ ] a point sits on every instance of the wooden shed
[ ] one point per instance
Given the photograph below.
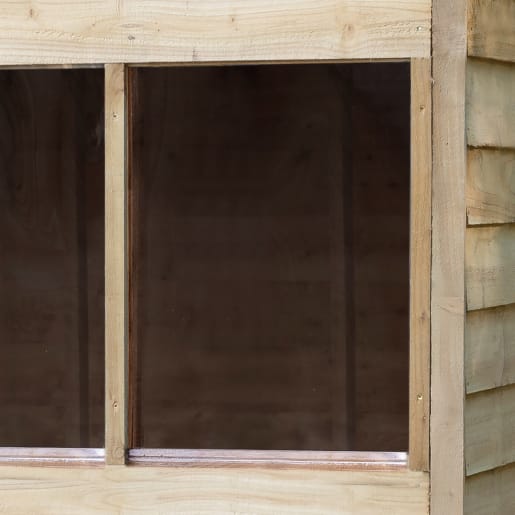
(257, 257)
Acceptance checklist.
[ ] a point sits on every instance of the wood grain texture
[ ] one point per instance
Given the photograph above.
(490, 348)
(140, 490)
(490, 429)
(420, 263)
(491, 29)
(448, 245)
(490, 266)
(115, 265)
(490, 186)
(74, 31)
(491, 493)
(490, 104)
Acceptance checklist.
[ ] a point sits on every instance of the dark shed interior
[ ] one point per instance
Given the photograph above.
(270, 288)
(269, 257)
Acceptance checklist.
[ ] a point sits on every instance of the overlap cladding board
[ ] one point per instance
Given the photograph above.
(157, 31)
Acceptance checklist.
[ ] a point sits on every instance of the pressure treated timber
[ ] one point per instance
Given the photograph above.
(491, 493)
(490, 429)
(490, 348)
(491, 31)
(490, 104)
(490, 266)
(420, 263)
(116, 324)
(448, 245)
(140, 490)
(490, 186)
(144, 31)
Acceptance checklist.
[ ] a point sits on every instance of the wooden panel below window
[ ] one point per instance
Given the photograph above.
(150, 490)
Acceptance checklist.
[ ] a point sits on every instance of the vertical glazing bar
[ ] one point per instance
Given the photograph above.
(116, 279)
(420, 263)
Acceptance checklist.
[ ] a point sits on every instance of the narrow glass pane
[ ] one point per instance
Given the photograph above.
(51, 258)
(270, 234)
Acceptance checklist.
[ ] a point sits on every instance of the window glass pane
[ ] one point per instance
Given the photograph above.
(51, 258)
(270, 236)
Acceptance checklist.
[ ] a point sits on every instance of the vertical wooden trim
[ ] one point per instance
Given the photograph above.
(420, 263)
(448, 259)
(115, 265)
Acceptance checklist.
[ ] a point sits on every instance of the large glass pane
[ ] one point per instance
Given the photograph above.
(51, 258)
(270, 235)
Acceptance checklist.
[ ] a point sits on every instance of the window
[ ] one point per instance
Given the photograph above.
(258, 240)
(52, 258)
(270, 263)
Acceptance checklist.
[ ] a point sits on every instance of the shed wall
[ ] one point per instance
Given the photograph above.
(490, 260)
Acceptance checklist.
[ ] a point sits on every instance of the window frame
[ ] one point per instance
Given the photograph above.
(118, 414)
(118, 250)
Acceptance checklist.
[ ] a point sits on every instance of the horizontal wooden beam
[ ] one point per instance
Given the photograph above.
(490, 266)
(491, 32)
(490, 348)
(139, 489)
(490, 104)
(490, 191)
(489, 430)
(146, 31)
